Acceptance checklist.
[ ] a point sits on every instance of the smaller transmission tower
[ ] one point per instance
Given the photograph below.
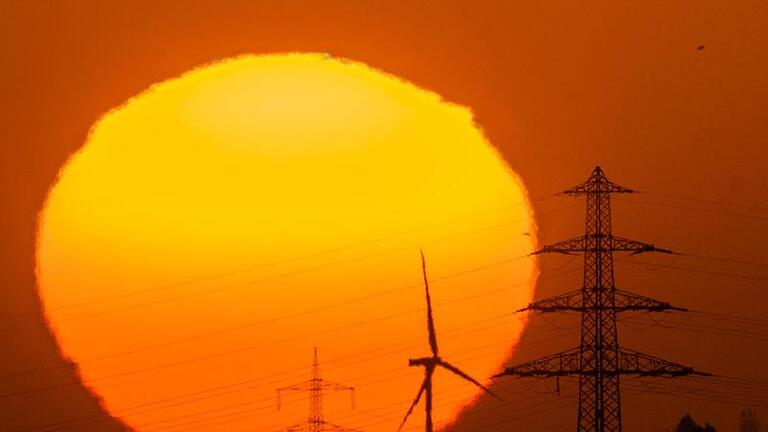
(316, 386)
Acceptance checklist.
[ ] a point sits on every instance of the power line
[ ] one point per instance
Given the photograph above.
(293, 259)
(723, 259)
(461, 397)
(311, 311)
(162, 404)
(60, 426)
(713, 330)
(69, 424)
(733, 318)
(707, 201)
(716, 398)
(255, 282)
(258, 266)
(702, 271)
(694, 209)
(254, 347)
(124, 411)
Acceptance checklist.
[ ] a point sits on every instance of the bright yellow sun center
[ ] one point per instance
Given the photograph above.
(215, 228)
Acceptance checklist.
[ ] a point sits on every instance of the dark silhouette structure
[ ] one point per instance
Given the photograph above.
(749, 421)
(316, 386)
(431, 363)
(687, 424)
(599, 361)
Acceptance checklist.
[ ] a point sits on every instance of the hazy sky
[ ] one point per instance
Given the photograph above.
(557, 86)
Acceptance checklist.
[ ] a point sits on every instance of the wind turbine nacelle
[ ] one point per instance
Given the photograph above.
(424, 361)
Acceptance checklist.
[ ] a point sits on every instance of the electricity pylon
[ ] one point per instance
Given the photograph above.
(316, 386)
(431, 363)
(599, 360)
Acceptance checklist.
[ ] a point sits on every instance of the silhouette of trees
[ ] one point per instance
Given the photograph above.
(750, 422)
(687, 424)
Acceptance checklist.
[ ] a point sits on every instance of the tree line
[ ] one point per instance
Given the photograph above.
(749, 421)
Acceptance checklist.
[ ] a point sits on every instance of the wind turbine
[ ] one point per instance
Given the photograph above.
(431, 363)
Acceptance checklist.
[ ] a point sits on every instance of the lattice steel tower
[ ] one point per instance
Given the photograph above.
(316, 386)
(599, 361)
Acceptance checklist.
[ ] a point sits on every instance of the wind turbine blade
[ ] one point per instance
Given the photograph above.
(462, 374)
(430, 319)
(415, 402)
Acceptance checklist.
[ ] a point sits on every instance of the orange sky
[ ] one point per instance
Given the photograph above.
(557, 87)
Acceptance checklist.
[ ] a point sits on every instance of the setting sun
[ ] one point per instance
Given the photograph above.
(218, 226)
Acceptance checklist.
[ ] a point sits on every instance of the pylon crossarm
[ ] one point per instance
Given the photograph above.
(305, 386)
(627, 301)
(624, 302)
(566, 247)
(602, 243)
(620, 244)
(328, 385)
(555, 365)
(636, 363)
(571, 301)
(597, 183)
(301, 387)
(337, 428)
(332, 386)
(293, 428)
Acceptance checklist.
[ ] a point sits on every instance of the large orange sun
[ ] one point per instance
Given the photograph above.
(218, 226)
